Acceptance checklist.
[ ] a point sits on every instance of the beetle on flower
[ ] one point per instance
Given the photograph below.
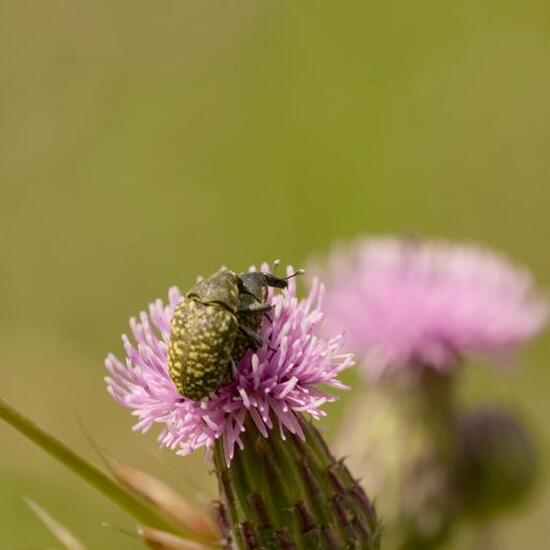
(272, 385)
(213, 326)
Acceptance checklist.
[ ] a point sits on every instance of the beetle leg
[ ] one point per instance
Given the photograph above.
(255, 307)
(233, 368)
(251, 335)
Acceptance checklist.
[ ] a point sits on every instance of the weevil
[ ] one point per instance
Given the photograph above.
(213, 326)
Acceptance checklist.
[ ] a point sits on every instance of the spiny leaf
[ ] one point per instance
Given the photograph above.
(167, 501)
(161, 540)
(192, 521)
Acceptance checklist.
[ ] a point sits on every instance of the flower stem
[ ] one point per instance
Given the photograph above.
(401, 439)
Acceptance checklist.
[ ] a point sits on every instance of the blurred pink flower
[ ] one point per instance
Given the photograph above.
(406, 303)
(271, 387)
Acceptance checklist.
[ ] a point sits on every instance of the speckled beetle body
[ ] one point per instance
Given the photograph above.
(213, 326)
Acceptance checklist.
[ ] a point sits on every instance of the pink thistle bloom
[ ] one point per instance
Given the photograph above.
(271, 387)
(405, 303)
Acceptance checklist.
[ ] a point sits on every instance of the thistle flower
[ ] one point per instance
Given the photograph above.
(279, 485)
(413, 310)
(272, 386)
(405, 303)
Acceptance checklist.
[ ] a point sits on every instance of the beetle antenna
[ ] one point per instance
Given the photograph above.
(295, 274)
(279, 282)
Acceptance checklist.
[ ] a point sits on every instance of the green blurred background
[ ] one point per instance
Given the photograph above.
(144, 143)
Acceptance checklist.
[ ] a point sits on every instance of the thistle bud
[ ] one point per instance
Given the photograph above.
(291, 493)
(498, 462)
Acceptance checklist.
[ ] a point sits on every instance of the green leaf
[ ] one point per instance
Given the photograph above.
(87, 471)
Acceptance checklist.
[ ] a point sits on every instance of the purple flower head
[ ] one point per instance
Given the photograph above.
(406, 303)
(272, 386)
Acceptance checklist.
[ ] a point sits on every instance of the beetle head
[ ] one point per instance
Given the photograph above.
(255, 283)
